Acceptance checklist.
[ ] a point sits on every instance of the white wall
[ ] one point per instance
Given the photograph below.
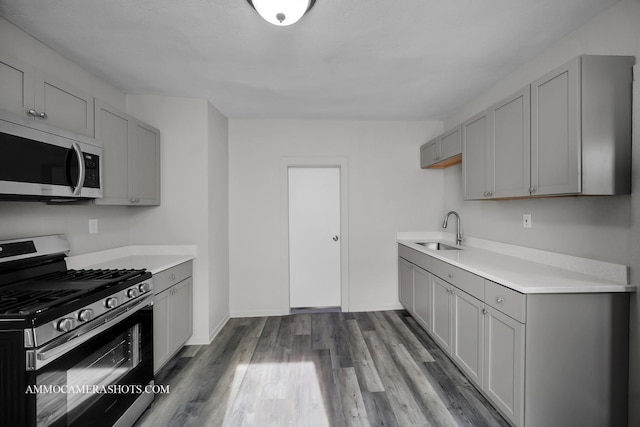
(183, 216)
(26, 219)
(388, 192)
(218, 169)
(592, 227)
(604, 228)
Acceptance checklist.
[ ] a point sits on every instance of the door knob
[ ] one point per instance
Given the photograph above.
(335, 238)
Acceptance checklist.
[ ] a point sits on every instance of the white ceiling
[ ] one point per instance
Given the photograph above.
(346, 59)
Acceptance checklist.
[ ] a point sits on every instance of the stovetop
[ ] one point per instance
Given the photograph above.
(41, 293)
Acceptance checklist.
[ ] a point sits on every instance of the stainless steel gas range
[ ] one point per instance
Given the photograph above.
(76, 346)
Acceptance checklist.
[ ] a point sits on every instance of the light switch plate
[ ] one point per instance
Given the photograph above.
(93, 226)
(526, 220)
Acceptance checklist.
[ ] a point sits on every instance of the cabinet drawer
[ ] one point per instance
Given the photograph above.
(508, 301)
(468, 282)
(418, 258)
(171, 276)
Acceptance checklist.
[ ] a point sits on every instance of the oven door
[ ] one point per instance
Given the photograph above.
(95, 382)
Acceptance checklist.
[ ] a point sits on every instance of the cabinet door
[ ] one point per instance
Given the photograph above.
(467, 347)
(422, 296)
(181, 306)
(511, 144)
(441, 320)
(161, 344)
(113, 130)
(555, 132)
(451, 143)
(430, 153)
(405, 284)
(144, 165)
(504, 364)
(65, 106)
(16, 86)
(477, 156)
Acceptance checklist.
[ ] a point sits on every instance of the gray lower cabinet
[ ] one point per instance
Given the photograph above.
(31, 92)
(468, 341)
(422, 296)
(504, 350)
(131, 158)
(441, 320)
(542, 360)
(172, 312)
(405, 288)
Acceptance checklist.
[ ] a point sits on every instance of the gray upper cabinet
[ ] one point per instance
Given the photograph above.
(131, 158)
(581, 128)
(477, 155)
(568, 133)
(511, 146)
(555, 160)
(16, 85)
(496, 150)
(443, 151)
(40, 96)
(144, 169)
(113, 131)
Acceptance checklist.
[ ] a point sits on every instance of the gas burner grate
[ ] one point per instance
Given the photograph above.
(26, 301)
(115, 276)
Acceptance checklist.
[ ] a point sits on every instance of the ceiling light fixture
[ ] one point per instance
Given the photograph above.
(282, 12)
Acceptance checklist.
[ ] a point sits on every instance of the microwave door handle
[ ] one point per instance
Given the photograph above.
(81, 168)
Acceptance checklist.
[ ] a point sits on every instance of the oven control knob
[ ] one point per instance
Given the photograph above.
(85, 315)
(132, 293)
(145, 287)
(65, 325)
(111, 303)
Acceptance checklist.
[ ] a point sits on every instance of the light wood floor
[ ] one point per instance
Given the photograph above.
(325, 369)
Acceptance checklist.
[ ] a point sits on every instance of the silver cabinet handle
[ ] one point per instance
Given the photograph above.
(499, 300)
(43, 115)
(532, 190)
(31, 112)
(489, 193)
(335, 238)
(81, 168)
(450, 275)
(484, 311)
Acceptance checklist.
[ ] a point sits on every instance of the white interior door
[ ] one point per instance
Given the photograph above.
(314, 237)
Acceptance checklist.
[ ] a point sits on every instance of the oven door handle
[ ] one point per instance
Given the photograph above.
(64, 344)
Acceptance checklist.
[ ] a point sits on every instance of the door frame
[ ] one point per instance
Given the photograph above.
(315, 162)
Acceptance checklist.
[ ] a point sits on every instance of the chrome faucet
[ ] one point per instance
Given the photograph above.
(444, 225)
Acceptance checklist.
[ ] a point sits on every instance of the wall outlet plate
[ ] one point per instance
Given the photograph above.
(93, 226)
(526, 220)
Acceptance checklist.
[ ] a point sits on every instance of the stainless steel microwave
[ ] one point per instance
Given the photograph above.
(41, 162)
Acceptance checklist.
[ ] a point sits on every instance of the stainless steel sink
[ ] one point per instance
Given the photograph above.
(437, 246)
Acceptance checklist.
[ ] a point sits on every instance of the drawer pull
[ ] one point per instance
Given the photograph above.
(499, 300)
(450, 275)
(173, 276)
(484, 311)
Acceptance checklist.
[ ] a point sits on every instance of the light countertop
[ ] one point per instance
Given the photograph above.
(154, 258)
(520, 274)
